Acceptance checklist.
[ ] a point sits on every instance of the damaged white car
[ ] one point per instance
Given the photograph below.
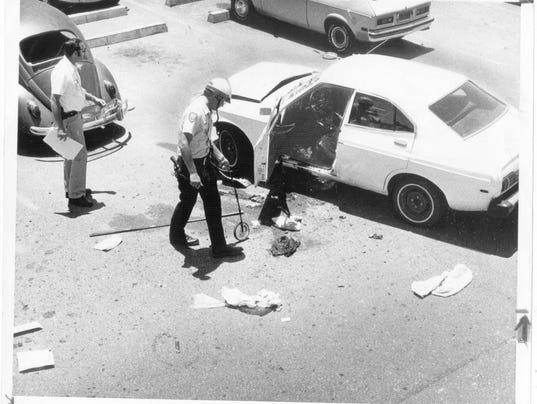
(430, 139)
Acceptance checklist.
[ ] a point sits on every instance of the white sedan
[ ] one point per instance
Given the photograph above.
(429, 138)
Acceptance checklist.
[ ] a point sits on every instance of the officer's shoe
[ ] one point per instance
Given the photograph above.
(88, 193)
(185, 241)
(226, 251)
(82, 202)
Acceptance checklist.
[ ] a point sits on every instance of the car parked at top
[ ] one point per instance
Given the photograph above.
(431, 139)
(70, 5)
(42, 32)
(344, 21)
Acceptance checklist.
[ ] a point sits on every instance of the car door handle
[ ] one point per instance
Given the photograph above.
(398, 142)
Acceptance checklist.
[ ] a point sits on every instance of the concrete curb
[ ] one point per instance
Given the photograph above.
(126, 35)
(91, 16)
(218, 16)
(171, 3)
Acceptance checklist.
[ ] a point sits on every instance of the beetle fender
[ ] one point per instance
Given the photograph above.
(25, 119)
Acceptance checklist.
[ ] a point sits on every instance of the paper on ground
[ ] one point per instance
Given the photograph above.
(29, 360)
(109, 243)
(423, 288)
(263, 299)
(202, 301)
(67, 148)
(456, 280)
(293, 223)
(26, 328)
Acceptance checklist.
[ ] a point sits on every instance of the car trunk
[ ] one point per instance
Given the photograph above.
(382, 7)
(40, 83)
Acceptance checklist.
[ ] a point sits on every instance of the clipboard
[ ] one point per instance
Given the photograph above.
(67, 148)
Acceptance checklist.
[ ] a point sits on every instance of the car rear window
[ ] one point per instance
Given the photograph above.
(45, 46)
(468, 109)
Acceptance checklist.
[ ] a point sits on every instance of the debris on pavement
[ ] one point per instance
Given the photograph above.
(27, 328)
(257, 198)
(255, 224)
(284, 222)
(284, 245)
(109, 243)
(444, 285)
(376, 236)
(252, 204)
(35, 360)
(260, 304)
(285, 319)
(203, 301)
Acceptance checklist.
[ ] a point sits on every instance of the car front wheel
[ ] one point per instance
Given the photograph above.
(340, 37)
(419, 202)
(242, 10)
(236, 149)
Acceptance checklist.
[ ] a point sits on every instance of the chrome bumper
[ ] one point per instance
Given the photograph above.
(382, 34)
(504, 205)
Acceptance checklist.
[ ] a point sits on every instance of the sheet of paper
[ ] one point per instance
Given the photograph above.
(26, 328)
(67, 148)
(38, 359)
(109, 243)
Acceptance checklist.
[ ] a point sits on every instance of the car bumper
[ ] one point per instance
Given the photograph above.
(504, 205)
(95, 116)
(377, 35)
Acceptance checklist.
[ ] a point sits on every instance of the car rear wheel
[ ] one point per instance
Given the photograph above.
(340, 37)
(242, 10)
(418, 201)
(236, 149)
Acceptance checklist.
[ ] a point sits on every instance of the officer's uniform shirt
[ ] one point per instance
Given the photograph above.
(197, 121)
(65, 82)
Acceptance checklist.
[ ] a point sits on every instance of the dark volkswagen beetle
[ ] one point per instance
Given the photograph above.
(43, 30)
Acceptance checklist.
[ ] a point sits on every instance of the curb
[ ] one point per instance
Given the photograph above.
(98, 15)
(171, 3)
(218, 16)
(126, 35)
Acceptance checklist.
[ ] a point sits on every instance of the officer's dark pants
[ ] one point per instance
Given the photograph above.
(187, 200)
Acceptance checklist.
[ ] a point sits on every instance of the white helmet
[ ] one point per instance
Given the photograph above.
(220, 87)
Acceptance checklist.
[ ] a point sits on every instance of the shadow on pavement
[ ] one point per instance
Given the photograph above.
(475, 231)
(203, 262)
(397, 47)
(100, 142)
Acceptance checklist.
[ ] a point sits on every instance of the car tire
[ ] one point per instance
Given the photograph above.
(340, 37)
(418, 201)
(242, 10)
(236, 149)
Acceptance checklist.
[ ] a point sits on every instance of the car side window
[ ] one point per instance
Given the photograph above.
(374, 112)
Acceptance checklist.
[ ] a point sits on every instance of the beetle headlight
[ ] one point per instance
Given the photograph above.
(33, 108)
(385, 20)
(110, 89)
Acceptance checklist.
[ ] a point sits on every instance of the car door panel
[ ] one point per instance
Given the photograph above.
(291, 11)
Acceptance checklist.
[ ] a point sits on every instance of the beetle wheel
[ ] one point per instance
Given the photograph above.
(340, 37)
(418, 202)
(242, 10)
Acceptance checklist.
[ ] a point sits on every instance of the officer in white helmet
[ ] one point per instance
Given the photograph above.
(197, 174)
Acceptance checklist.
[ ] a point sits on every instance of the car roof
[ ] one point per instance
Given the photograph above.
(37, 17)
(404, 82)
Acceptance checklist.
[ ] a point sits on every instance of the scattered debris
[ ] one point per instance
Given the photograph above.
(27, 328)
(284, 245)
(35, 360)
(260, 304)
(255, 224)
(284, 222)
(444, 285)
(109, 243)
(252, 204)
(285, 319)
(202, 301)
(376, 236)
(257, 198)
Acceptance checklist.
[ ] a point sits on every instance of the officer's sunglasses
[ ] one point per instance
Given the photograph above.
(80, 51)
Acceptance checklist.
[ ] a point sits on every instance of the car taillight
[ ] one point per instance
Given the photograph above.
(422, 10)
(385, 20)
(33, 108)
(509, 180)
(110, 89)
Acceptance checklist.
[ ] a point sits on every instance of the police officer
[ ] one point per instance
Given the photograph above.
(197, 174)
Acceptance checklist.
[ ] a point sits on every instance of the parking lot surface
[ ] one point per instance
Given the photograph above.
(120, 323)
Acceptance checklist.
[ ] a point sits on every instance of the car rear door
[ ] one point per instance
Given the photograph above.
(292, 11)
(376, 139)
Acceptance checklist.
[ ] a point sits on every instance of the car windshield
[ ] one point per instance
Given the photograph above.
(45, 46)
(468, 109)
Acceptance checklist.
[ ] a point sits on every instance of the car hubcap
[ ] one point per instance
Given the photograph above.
(415, 203)
(228, 148)
(339, 38)
(241, 8)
